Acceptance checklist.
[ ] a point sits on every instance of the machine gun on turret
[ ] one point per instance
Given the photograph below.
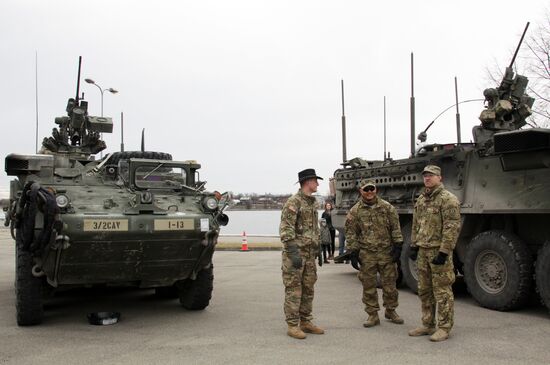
(507, 106)
(78, 133)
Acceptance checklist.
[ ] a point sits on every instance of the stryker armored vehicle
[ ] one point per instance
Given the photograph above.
(129, 219)
(502, 180)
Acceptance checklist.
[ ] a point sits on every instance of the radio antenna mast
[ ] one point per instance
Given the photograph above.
(344, 157)
(385, 128)
(36, 98)
(458, 138)
(412, 105)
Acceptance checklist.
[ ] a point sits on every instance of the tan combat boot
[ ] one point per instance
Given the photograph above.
(392, 315)
(296, 332)
(439, 335)
(422, 331)
(372, 321)
(309, 327)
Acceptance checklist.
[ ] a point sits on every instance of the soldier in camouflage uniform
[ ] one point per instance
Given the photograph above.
(299, 231)
(435, 229)
(373, 235)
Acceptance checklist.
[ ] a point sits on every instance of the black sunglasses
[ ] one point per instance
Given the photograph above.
(366, 189)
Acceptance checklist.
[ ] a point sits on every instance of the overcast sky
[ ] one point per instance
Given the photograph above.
(251, 89)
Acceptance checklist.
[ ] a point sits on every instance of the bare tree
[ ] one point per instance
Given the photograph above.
(537, 63)
(533, 62)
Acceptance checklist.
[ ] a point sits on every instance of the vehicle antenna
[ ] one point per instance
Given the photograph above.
(36, 97)
(412, 105)
(384, 127)
(121, 131)
(344, 157)
(458, 139)
(143, 140)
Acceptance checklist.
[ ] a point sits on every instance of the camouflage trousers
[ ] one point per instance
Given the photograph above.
(435, 288)
(299, 290)
(371, 264)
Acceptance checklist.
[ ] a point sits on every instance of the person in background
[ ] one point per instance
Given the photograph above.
(328, 218)
(325, 239)
(341, 245)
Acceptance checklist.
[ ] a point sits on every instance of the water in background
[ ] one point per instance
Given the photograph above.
(254, 222)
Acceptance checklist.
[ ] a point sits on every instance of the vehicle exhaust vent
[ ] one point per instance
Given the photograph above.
(523, 140)
(16, 164)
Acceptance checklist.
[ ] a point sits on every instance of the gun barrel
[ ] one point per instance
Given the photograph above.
(78, 79)
(519, 45)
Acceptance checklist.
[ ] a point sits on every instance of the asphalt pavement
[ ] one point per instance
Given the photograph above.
(244, 324)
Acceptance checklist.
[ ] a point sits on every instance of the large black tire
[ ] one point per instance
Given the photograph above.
(196, 294)
(498, 270)
(28, 289)
(126, 155)
(409, 272)
(542, 274)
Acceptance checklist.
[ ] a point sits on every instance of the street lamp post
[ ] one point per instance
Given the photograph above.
(101, 90)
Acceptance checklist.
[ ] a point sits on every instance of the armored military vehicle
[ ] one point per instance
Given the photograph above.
(129, 219)
(502, 180)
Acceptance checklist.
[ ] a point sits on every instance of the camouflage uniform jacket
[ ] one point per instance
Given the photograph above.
(299, 222)
(372, 227)
(436, 220)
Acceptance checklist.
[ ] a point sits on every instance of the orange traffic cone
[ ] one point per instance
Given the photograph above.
(244, 244)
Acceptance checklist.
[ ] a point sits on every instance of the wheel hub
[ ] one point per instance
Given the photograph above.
(491, 273)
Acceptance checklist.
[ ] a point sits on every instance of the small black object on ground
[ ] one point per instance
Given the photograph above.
(103, 318)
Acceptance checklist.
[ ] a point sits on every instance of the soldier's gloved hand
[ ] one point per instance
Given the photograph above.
(294, 255)
(354, 257)
(440, 258)
(413, 255)
(396, 251)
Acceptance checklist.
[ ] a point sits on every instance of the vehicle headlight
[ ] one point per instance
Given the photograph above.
(62, 200)
(210, 203)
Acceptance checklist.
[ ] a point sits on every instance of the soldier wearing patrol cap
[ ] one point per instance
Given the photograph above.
(299, 231)
(435, 229)
(373, 236)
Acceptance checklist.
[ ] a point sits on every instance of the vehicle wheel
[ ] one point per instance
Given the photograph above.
(498, 270)
(126, 155)
(409, 272)
(28, 289)
(542, 274)
(166, 292)
(196, 294)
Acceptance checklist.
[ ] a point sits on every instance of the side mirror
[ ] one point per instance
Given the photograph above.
(223, 219)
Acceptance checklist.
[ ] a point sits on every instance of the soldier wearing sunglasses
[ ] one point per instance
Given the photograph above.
(373, 235)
